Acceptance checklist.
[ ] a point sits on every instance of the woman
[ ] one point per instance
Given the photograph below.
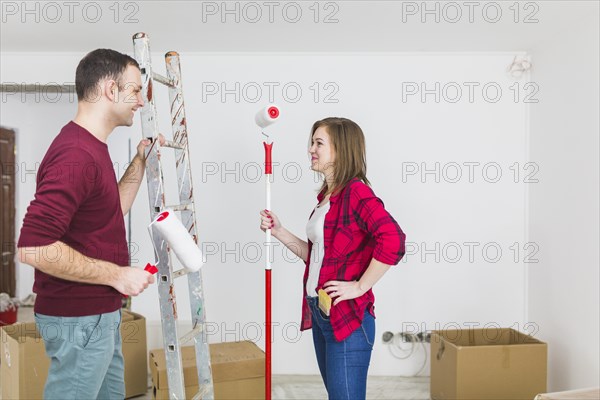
(352, 242)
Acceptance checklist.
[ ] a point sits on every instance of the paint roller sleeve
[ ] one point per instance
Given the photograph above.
(179, 240)
(267, 116)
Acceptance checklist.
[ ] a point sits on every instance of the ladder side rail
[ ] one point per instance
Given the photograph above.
(188, 218)
(154, 179)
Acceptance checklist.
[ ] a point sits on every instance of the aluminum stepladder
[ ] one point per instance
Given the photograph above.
(154, 177)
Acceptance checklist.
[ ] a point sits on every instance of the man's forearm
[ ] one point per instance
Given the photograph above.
(130, 183)
(62, 261)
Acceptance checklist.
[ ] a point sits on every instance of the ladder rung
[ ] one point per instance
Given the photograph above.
(173, 145)
(181, 207)
(180, 273)
(204, 389)
(191, 334)
(162, 79)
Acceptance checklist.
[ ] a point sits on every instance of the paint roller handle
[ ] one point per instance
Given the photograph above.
(131, 282)
(151, 268)
(268, 158)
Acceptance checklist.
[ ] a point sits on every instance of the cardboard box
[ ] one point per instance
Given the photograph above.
(135, 348)
(24, 364)
(238, 371)
(579, 394)
(482, 364)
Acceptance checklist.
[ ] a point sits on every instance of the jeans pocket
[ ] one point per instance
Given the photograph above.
(323, 316)
(317, 313)
(90, 329)
(368, 328)
(370, 341)
(49, 327)
(119, 320)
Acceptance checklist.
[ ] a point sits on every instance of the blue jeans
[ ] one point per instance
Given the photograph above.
(86, 361)
(343, 365)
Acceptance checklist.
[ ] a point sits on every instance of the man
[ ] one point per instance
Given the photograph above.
(74, 234)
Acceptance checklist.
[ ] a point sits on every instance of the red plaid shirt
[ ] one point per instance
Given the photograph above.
(357, 229)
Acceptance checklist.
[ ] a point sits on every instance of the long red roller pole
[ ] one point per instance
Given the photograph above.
(264, 118)
(268, 335)
(268, 173)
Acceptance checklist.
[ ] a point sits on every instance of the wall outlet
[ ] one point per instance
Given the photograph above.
(424, 337)
(387, 337)
(407, 337)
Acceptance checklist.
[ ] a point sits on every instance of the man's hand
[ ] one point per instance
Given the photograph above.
(141, 147)
(132, 178)
(132, 281)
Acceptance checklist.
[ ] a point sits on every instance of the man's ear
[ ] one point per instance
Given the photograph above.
(111, 90)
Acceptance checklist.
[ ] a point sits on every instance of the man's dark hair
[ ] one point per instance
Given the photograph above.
(97, 65)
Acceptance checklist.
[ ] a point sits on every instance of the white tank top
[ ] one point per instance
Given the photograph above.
(315, 233)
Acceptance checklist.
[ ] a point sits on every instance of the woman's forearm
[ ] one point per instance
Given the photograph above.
(373, 274)
(298, 246)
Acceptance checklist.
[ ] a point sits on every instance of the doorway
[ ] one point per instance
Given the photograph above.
(7, 211)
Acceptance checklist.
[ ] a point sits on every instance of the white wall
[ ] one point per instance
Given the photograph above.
(443, 289)
(564, 285)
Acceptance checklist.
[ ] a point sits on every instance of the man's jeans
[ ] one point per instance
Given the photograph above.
(86, 361)
(343, 365)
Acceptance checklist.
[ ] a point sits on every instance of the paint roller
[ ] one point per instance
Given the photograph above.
(179, 240)
(267, 116)
(264, 118)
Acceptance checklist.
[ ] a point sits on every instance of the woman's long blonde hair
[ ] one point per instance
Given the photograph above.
(348, 142)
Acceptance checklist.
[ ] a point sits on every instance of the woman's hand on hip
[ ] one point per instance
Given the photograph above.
(341, 290)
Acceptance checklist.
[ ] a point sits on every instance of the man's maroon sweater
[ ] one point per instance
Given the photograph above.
(76, 202)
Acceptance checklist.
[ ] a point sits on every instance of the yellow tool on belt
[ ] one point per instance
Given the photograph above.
(324, 302)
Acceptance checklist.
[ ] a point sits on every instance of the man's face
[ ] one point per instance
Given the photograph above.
(128, 97)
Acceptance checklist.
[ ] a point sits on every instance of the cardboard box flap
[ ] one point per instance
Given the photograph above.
(128, 316)
(579, 394)
(229, 361)
(487, 337)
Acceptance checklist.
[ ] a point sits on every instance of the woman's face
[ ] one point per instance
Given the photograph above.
(322, 155)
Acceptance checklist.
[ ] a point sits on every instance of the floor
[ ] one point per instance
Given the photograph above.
(378, 387)
(310, 387)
